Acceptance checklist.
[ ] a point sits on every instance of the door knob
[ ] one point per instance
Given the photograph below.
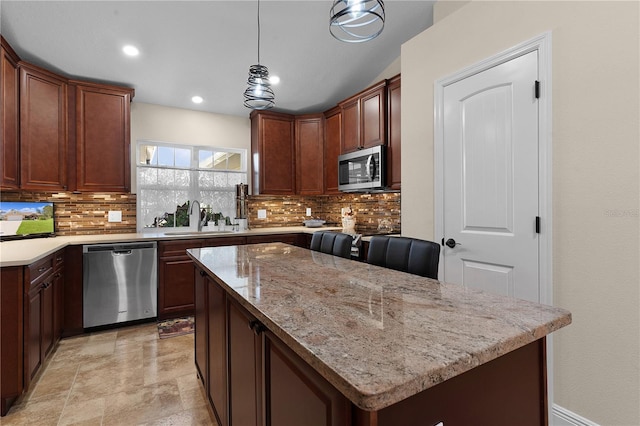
(451, 243)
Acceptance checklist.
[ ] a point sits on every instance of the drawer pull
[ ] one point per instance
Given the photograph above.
(42, 269)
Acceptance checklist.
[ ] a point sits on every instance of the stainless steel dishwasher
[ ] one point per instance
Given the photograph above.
(119, 283)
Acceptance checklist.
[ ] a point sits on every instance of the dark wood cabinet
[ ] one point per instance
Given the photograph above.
(175, 278)
(244, 367)
(295, 393)
(273, 153)
(11, 336)
(201, 329)
(217, 350)
(43, 129)
(102, 130)
(10, 101)
(332, 146)
(42, 311)
(364, 119)
(176, 273)
(394, 137)
(293, 239)
(309, 148)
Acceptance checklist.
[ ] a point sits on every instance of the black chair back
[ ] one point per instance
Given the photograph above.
(405, 254)
(335, 243)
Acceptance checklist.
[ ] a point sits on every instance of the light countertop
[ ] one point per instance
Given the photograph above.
(25, 252)
(376, 334)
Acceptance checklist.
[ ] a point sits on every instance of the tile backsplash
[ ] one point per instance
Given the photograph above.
(86, 213)
(369, 210)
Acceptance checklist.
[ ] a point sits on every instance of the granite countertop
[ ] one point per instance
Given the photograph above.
(25, 252)
(376, 334)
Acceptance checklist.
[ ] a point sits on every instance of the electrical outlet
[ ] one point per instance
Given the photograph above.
(262, 214)
(115, 216)
(308, 211)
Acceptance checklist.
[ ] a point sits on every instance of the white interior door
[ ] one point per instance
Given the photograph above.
(490, 175)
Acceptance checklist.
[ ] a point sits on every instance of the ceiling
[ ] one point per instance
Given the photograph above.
(205, 48)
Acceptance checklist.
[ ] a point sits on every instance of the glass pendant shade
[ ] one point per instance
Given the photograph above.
(356, 21)
(259, 94)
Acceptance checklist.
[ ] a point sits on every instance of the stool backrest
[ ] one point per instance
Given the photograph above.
(405, 254)
(335, 243)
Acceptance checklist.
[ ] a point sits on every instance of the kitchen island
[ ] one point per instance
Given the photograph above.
(285, 335)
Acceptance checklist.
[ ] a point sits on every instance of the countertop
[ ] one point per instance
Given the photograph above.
(376, 334)
(25, 252)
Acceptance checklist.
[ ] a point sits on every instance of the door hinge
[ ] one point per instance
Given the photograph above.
(537, 89)
(537, 224)
(442, 241)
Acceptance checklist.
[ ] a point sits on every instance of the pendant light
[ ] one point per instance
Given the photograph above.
(259, 94)
(356, 21)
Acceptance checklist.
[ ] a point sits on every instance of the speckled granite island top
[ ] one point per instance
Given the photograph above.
(377, 335)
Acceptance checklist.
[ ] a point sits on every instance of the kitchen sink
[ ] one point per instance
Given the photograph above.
(198, 233)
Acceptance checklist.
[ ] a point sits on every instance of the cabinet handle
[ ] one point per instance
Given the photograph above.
(202, 273)
(42, 269)
(57, 275)
(256, 326)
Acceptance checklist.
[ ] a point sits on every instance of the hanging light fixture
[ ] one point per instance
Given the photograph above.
(356, 21)
(259, 94)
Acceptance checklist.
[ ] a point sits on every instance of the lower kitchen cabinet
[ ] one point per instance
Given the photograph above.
(293, 239)
(176, 274)
(253, 378)
(30, 298)
(11, 336)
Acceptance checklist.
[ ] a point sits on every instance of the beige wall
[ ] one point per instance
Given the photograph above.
(182, 126)
(596, 238)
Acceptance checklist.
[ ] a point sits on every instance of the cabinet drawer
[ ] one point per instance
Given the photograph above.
(224, 241)
(39, 269)
(177, 248)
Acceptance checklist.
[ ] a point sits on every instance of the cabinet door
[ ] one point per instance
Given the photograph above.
(11, 332)
(33, 332)
(350, 125)
(47, 317)
(58, 304)
(295, 394)
(309, 155)
(102, 137)
(43, 130)
(217, 356)
(9, 99)
(201, 318)
(245, 375)
(394, 136)
(373, 117)
(332, 145)
(175, 287)
(273, 153)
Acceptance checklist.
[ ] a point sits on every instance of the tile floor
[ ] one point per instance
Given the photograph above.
(126, 376)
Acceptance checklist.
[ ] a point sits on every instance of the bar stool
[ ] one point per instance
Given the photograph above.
(419, 257)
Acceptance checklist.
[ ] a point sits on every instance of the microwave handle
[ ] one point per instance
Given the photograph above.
(371, 168)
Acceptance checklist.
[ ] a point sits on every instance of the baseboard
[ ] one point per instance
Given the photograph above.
(562, 417)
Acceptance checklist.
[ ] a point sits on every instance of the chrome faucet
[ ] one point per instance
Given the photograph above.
(201, 220)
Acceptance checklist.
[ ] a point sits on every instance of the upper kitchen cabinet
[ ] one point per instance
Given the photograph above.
(102, 136)
(332, 145)
(43, 129)
(10, 101)
(364, 119)
(394, 136)
(273, 153)
(309, 150)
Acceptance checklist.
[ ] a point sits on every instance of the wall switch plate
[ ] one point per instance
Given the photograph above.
(262, 214)
(308, 211)
(115, 216)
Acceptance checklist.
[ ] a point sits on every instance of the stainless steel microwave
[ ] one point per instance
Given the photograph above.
(362, 171)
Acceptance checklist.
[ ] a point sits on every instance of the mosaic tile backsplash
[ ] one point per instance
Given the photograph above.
(86, 213)
(371, 210)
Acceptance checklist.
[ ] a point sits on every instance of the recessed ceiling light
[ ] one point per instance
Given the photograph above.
(274, 79)
(130, 50)
(197, 99)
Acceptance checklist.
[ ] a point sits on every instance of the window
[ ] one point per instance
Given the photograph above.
(169, 176)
